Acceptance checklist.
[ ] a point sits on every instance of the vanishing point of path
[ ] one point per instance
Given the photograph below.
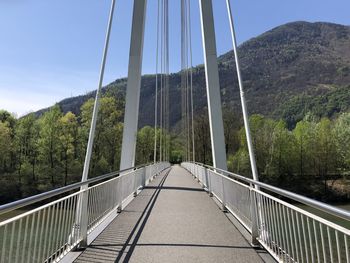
(172, 220)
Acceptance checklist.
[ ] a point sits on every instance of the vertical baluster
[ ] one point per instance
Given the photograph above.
(96, 200)
(25, 245)
(36, 250)
(88, 214)
(271, 222)
(18, 236)
(92, 195)
(305, 241)
(295, 235)
(281, 225)
(290, 236)
(299, 237)
(316, 241)
(70, 222)
(3, 252)
(330, 244)
(277, 229)
(338, 245)
(57, 244)
(105, 190)
(26, 253)
(11, 241)
(288, 250)
(50, 234)
(266, 222)
(323, 243)
(110, 194)
(310, 239)
(346, 248)
(97, 206)
(47, 219)
(70, 225)
(72, 216)
(61, 232)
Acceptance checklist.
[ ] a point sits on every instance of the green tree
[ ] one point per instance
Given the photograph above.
(325, 150)
(50, 140)
(68, 137)
(5, 146)
(202, 138)
(145, 145)
(108, 133)
(304, 133)
(281, 166)
(342, 142)
(27, 144)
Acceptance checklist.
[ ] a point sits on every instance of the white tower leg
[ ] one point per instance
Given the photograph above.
(213, 87)
(133, 86)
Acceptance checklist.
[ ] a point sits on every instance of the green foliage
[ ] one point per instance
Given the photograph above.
(303, 160)
(5, 146)
(327, 104)
(297, 73)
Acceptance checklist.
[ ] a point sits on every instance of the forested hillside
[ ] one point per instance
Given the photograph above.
(292, 69)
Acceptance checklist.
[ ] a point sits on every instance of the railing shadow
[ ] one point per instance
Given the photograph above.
(111, 245)
(174, 188)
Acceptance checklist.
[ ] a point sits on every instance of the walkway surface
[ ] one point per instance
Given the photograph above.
(172, 220)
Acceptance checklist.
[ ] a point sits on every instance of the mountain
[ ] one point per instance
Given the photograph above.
(291, 70)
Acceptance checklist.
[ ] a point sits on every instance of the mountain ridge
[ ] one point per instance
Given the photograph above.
(292, 60)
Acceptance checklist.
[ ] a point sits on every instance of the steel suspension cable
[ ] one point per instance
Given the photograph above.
(167, 83)
(187, 84)
(156, 89)
(183, 124)
(243, 101)
(161, 84)
(184, 78)
(165, 80)
(191, 78)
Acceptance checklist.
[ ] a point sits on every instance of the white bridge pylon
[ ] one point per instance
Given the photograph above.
(134, 85)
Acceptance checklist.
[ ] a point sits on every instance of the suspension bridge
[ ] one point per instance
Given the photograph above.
(160, 212)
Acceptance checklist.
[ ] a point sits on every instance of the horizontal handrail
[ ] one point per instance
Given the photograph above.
(296, 197)
(50, 231)
(39, 197)
(287, 232)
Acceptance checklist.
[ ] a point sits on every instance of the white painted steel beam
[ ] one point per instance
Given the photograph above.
(133, 85)
(213, 87)
(81, 211)
(243, 101)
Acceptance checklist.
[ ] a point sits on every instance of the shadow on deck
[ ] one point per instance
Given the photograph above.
(171, 220)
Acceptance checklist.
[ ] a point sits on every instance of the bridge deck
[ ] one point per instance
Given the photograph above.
(171, 220)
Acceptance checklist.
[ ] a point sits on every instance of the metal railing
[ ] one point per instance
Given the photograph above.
(49, 232)
(287, 232)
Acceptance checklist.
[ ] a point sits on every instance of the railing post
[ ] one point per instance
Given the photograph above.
(136, 174)
(83, 219)
(254, 218)
(144, 175)
(223, 207)
(209, 183)
(120, 194)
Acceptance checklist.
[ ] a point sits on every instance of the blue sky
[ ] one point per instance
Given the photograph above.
(51, 49)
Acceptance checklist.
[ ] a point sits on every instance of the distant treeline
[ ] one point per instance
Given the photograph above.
(41, 153)
(307, 159)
